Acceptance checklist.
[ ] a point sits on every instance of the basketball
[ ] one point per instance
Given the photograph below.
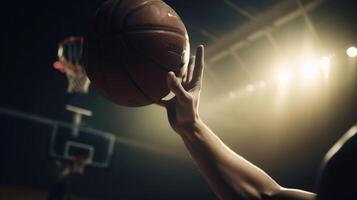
(130, 49)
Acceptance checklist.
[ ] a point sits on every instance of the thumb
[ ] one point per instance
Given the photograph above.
(175, 86)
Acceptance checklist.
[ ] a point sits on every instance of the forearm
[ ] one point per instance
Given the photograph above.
(229, 175)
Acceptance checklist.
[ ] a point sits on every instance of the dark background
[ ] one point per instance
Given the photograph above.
(288, 145)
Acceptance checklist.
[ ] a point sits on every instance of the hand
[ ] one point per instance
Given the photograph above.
(182, 110)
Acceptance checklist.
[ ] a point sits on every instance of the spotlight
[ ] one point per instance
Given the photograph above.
(325, 64)
(309, 70)
(325, 61)
(262, 84)
(352, 52)
(232, 94)
(250, 88)
(283, 76)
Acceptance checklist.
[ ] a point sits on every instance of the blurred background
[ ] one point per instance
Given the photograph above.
(279, 89)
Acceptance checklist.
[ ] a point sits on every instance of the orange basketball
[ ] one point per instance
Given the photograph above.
(131, 48)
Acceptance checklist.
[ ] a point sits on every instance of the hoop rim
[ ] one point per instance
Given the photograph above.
(58, 65)
(72, 39)
(82, 160)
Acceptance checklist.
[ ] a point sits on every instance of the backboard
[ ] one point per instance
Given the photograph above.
(95, 146)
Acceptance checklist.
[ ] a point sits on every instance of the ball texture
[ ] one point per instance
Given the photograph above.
(131, 47)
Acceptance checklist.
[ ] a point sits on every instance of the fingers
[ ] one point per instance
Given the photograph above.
(199, 66)
(189, 73)
(175, 86)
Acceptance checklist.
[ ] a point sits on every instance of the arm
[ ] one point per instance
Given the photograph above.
(229, 175)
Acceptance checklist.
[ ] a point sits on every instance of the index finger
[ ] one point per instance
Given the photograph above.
(199, 66)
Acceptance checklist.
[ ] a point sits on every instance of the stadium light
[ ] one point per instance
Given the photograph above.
(352, 52)
(250, 88)
(309, 69)
(262, 84)
(232, 94)
(325, 63)
(283, 76)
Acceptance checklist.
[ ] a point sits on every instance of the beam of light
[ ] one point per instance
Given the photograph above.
(283, 77)
(232, 94)
(352, 52)
(325, 64)
(309, 70)
(250, 88)
(325, 61)
(262, 84)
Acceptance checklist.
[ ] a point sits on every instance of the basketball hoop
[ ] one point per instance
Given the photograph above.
(70, 63)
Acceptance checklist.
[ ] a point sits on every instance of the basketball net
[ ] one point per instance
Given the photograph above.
(79, 164)
(69, 62)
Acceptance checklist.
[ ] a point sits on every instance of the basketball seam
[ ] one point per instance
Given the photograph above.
(137, 85)
(136, 28)
(140, 6)
(151, 59)
(133, 80)
(113, 5)
(128, 75)
(158, 65)
(144, 28)
(115, 9)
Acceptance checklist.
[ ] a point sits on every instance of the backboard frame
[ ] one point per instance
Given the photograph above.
(70, 144)
(93, 163)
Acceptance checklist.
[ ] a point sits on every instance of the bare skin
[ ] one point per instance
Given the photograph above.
(229, 175)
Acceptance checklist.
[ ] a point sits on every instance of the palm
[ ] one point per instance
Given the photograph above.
(183, 108)
(181, 114)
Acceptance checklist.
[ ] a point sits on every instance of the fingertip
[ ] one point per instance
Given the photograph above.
(171, 78)
(200, 47)
(200, 52)
(171, 75)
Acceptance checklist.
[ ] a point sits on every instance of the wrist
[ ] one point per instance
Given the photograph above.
(191, 129)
